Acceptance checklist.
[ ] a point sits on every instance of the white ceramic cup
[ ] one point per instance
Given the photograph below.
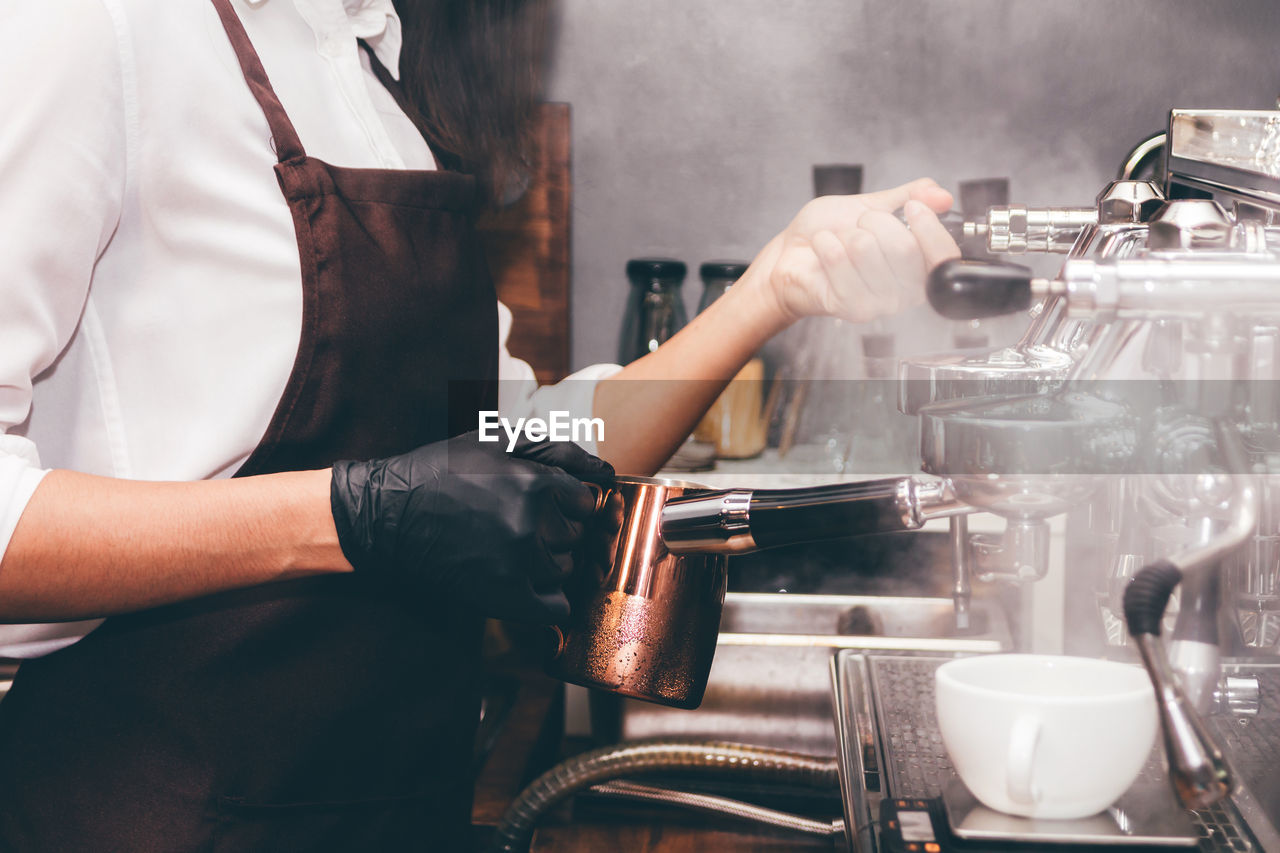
(1046, 736)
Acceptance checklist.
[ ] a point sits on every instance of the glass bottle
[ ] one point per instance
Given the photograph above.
(717, 277)
(735, 423)
(655, 307)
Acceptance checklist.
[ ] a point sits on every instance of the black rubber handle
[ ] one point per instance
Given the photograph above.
(1147, 595)
(791, 516)
(967, 289)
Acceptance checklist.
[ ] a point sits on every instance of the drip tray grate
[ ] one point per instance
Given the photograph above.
(915, 762)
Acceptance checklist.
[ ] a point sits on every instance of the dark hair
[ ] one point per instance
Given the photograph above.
(473, 69)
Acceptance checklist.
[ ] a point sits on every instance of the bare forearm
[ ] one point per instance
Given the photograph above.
(91, 546)
(653, 404)
(847, 256)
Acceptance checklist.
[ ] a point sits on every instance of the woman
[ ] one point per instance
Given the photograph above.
(246, 328)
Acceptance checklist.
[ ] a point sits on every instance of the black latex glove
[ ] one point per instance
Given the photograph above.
(470, 521)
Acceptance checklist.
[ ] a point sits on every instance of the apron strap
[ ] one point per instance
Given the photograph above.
(287, 144)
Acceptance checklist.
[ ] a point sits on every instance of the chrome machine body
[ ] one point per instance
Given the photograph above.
(1135, 423)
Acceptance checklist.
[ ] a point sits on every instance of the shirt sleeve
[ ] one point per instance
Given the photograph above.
(63, 159)
(520, 396)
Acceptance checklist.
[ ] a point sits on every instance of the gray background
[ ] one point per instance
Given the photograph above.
(696, 122)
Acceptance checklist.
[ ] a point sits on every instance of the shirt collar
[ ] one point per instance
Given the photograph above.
(375, 21)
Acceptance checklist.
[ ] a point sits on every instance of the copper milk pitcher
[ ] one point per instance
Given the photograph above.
(648, 629)
(645, 624)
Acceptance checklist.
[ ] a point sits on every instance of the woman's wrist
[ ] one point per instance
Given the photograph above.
(316, 548)
(758, 309)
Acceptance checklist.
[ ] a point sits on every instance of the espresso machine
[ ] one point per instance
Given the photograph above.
(1108, 485)
(1119, 461)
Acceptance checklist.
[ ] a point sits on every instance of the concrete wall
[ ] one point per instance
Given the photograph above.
(696, 122)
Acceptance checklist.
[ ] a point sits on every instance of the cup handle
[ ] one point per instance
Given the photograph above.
(1022, 760)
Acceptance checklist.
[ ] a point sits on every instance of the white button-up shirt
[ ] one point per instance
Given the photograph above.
(150, 285)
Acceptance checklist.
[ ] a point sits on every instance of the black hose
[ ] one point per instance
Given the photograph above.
(700, 758)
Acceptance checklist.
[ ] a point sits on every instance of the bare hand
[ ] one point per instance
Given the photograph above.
(852, 257)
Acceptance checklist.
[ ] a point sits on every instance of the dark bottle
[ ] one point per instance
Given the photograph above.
(655, 306)
(837, 179)
(717, 277)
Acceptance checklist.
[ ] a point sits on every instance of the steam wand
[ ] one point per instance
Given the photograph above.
(1198, 768)
(962, 570)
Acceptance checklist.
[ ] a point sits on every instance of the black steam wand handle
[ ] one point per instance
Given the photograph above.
(966, 289)
(836, 511)
(740, 520)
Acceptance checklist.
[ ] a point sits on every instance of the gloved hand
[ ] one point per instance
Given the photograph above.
(468, 520)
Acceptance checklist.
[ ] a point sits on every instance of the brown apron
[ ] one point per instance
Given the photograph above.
(319, 714)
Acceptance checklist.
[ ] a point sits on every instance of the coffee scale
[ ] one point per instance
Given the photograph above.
(1174, 280)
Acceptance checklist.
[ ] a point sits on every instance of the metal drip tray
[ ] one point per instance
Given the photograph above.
(1145, 816)
(890, 747)
(857, 622)
(770, 683)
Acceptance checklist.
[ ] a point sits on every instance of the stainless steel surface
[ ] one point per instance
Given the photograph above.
(1197, 766)
(1168, 285)
(1189, 224)
(961, 570)
(1253, 577)
(1184, 295)
(1231, 153)
(1053, 342)
(1141, 154)
(1238, 695)
(1142, 820)
(719, 523)
(1017, 229)
(1244, 508)
(1196, 662)
(924, 499)
(1126, 201)
(770, 681)
(1046, 353)
(1199, 667)
(1021, 554)
(1028, 456)
(1031, 369)
(1252, 742)
(890, 747)
(1186, 675)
